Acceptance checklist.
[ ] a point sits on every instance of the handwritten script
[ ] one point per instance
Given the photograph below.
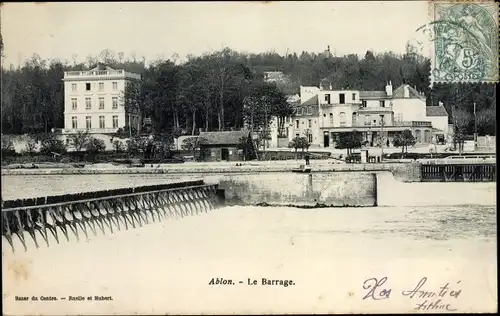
(426, 299)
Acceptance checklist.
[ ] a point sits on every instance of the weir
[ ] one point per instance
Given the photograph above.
(41, 221)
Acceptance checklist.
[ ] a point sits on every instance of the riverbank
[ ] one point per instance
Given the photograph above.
(405, 171)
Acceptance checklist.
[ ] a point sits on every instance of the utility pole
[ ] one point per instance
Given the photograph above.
(265, 128)
(382, 138)
(475, 128)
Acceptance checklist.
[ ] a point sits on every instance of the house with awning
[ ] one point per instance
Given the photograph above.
(324, 113)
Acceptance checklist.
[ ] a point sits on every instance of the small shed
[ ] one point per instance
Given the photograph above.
(227, 146)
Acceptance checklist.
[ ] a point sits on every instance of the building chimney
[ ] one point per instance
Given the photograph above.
(388, 89)
(406, 91)
(328, 49)
(330, 86)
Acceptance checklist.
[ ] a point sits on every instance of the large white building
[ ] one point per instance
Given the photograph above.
(93, 100)
(323, 113)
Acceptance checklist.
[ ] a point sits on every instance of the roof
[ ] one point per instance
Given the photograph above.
(101, 66)
(399, 93)
(372, 94)
(224, 138)
(438, 110)
(311, 101)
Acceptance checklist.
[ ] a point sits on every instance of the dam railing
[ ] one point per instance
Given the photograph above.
(45, 219)
(473, 172)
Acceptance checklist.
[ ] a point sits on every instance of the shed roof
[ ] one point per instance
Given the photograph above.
(224, 138)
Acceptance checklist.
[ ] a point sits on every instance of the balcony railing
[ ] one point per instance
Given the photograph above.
(101, 73)
(378, 124)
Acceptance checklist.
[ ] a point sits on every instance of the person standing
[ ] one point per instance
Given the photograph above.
(306, 157)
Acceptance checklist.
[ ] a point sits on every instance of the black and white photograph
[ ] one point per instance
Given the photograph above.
(254, 157)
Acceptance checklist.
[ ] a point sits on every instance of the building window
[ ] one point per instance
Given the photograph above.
(331, 118)
(342, 98)
(309, 138)
(74, 122)
(73, 86)
(354, 96)
(88, 122)
(115, 121)
(399, 117)
(327, 98)
(101, 86)
(101, 122)
(87, 86)
(367, 120)
(354, 118)
(382, 103)
(342, 118)
(101, 103)
(115, 103)
(363, 103)
(309, 110)
(88, 103)
(296, 123)
(74, 104)
(309, 123)
(115, 85)
(299, 111)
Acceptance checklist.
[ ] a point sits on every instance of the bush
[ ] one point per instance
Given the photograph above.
(7, 147)
(50, 145)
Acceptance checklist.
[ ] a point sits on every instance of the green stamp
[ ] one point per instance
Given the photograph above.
(465, 41)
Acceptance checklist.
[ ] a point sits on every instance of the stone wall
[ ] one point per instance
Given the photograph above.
(299, 189)
(406, 172)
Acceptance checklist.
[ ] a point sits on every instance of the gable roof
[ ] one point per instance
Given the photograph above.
(438, 110)
(224, 138)
(399, 93)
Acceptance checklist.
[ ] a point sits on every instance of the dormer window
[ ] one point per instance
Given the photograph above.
(363, 103)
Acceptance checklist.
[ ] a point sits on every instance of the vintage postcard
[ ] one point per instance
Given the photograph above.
(225, 158)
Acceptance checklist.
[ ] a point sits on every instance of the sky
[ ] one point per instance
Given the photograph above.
(162, 29)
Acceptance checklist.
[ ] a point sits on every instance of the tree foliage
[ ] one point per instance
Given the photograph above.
(299, 142)
(216, 91)
(350, 141)
(193, 144)
(404, 139)
(80, 140)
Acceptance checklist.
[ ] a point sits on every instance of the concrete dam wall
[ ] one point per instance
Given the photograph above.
(299, 189)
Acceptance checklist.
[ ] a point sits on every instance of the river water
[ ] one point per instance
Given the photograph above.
(328, 253)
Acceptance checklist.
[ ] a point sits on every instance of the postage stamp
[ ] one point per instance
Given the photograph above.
(464, 45)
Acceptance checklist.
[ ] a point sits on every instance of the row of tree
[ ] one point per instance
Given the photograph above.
(223, 90)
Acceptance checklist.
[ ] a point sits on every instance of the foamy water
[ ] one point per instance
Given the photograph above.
(328, 253)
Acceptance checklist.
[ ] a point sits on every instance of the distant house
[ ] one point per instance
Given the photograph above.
(439, 118)
(226, 146)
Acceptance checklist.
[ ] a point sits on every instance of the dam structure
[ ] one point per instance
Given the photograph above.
(44, 221)
(47, 220)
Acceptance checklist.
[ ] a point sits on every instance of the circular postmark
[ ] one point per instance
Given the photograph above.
(462, 39)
